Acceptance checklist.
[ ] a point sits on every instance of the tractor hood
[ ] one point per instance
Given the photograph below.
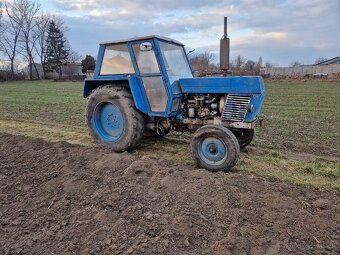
(223, 85)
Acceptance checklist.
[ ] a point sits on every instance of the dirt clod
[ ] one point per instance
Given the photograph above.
(58, 198)
(322, 203)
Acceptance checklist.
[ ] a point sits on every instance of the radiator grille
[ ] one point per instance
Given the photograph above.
(235, 108)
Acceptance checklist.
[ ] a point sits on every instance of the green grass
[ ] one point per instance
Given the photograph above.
(44, 109)
(299, 143)
(302, 117)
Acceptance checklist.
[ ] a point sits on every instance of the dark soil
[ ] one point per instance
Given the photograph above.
(58, 198)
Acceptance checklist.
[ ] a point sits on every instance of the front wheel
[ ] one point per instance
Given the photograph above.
(215, 148)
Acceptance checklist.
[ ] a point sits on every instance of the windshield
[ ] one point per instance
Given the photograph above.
(175, 60)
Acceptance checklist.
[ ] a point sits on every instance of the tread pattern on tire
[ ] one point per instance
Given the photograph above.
(216, 131)
(135, 121)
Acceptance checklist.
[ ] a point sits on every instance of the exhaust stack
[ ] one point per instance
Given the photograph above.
(224, 50)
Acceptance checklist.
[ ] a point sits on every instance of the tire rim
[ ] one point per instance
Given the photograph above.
(212, 150)
(108, 122)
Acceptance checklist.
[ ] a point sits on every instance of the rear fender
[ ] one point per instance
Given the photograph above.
(131, 84)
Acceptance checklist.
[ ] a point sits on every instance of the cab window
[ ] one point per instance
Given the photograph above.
(116, 60)
(146, 60)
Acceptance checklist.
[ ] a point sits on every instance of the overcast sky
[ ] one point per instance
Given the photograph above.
(279, 31)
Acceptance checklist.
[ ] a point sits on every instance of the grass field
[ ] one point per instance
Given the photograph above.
(299, 143)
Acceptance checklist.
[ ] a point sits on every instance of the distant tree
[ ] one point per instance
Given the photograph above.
(239, 62)
(28, 38)
(320, 60)
(250, 65)
(212, 62)
(73, 56)
(295, 64)
(88, 63)
(201, 61)
(1, 25)
(56, 51)
(268, 65)
(259, 63)
(41, 34)
(12, 30)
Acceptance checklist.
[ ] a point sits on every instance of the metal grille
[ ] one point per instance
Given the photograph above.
(235, 107)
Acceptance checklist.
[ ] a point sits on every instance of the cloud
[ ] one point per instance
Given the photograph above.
(75, 4)
(277, 30)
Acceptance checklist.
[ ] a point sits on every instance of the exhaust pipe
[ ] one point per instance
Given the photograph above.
(224, 50)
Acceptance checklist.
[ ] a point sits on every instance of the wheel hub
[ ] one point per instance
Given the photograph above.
(109, 122)
(213, 150)
(112, 120)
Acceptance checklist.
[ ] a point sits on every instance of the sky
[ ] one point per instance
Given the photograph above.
(278, 31)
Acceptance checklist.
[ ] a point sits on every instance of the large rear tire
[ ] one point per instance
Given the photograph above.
(113, 119)
(215, 148)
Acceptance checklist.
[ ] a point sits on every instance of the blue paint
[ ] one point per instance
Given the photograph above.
(223, 85)
(99, 62)
(212, 150)
(92, 84)
(239, 85)
(179, 117)
(141, 101)
(138, 94)
(108, 122)
(247, 85)
(256, 100)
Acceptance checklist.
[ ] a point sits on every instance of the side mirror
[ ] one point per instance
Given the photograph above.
(145, 46)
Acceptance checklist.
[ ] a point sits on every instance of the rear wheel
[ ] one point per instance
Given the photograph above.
(244, 136)
(113, 119)
(215, 148)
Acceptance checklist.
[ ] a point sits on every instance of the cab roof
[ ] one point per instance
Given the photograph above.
(144, 38)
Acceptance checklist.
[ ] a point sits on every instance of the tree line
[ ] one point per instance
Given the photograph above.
(27, 33)
(206, 62)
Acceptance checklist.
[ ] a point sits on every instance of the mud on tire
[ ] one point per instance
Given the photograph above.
(215, 148)
(113, 119)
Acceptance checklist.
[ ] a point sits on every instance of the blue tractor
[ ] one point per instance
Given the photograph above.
(146, 84)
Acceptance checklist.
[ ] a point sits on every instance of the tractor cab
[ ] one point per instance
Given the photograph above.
(151, 65)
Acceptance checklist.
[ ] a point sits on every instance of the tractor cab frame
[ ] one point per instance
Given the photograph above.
(151, 66)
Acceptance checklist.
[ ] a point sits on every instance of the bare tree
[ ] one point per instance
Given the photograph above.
(259, 63)
(320, 60)
(1, 26)
(268, 65)
(40, 33)
(28, 37)
(249, 66)
(202, 61)
(239, 62)
(295, 64)
(13, 27)
(74, 56)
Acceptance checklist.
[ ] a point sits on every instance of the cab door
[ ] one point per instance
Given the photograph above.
(148, 70)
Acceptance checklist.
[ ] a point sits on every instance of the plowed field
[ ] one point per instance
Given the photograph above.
(58, 198)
